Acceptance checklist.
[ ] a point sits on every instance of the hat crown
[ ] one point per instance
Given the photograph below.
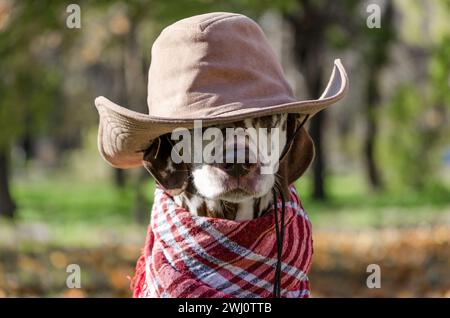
(211, 64)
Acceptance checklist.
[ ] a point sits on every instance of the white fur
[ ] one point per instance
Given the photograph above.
(245, 210)
(211, 182)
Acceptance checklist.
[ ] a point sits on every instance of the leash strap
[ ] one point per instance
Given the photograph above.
(279, 233)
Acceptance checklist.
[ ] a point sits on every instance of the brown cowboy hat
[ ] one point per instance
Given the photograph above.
(215, 67)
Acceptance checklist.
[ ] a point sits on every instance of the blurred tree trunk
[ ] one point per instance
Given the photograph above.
(27, 146)
(135, 80)
(377, 57)
(308, 28)
(119, 177)
(7, 205)
(373, 98)
(28, 139)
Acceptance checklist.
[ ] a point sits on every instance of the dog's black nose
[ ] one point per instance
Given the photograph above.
(237, 169)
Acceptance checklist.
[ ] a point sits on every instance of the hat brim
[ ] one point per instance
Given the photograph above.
(124, 134)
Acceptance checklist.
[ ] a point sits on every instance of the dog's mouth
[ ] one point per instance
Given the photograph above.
(234, 191)
(215, 184)
(237, 194)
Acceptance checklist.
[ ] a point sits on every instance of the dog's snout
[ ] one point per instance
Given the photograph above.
(237, 169)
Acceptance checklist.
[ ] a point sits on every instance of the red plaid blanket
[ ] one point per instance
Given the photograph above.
(190, 256)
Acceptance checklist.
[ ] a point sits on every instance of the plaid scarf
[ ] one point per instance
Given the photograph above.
(191, 256)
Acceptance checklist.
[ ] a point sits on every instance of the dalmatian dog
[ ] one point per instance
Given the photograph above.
(231, 189)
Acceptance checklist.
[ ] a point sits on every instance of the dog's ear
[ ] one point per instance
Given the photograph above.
(298, 155)
(171, 176)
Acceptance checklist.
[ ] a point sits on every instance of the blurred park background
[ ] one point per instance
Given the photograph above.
(378, 191)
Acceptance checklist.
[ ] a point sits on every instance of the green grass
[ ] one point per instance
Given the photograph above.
(61, 202)
(352, 191)
(54, 212)
(351, 204)
(84, 213)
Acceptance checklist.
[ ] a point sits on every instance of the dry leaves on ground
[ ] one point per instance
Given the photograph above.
(413, 262)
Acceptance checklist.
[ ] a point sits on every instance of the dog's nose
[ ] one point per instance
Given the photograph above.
(237, 169)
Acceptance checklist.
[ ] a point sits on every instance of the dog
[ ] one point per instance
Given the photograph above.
(211, 232)
(234, 191)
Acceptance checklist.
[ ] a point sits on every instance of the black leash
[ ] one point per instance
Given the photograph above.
(279, 230)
